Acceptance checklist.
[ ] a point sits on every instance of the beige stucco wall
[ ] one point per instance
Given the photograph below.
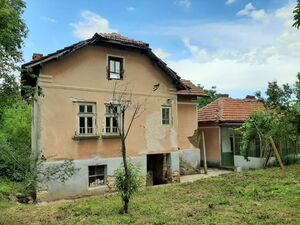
(187, 123)
(82, 76)
(212, 142)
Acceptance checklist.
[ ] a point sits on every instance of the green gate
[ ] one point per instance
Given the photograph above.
(227, 159)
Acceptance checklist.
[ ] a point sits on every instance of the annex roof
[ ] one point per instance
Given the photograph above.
(193, 89)
(226, 109)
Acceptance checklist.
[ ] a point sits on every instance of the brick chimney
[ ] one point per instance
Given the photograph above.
(224, 95)
(250, 97)
(36, 56)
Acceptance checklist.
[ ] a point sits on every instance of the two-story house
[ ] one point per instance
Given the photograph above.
(72, 119)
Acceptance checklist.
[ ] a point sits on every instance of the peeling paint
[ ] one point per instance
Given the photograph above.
(154, 132)
(174, 142)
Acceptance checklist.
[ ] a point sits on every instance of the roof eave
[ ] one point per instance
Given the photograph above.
(99, 40)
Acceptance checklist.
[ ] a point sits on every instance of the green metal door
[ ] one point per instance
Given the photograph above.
(227, 159)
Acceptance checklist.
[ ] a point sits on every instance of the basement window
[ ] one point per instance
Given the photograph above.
(166, 115)
(115, 68)
(97, 176)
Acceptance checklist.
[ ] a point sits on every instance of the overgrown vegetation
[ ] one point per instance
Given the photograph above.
(297, 15)
(269, 196)
(15, 138)
(134, 181)
(18, 164)
(13, 30)
(280, 121)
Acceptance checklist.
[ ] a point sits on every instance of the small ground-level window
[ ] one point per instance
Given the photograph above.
(97, 175)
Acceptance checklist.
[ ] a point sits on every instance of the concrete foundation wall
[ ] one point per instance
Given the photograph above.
(253, 163)
(78, 183)
(240, 161)
(189, 161)
(174, 161)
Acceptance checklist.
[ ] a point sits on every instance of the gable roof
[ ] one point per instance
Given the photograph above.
(193, 89)
(110, 40)
(225, 109)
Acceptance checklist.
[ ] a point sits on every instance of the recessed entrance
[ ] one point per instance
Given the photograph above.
(158, 169)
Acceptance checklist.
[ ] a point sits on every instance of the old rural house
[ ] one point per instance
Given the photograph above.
(218, 120)
(72, 119)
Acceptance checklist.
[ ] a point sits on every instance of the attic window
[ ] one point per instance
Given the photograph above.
(115, 68)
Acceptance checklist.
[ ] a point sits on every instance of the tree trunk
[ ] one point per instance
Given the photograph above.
(126, 201)
(123, 149)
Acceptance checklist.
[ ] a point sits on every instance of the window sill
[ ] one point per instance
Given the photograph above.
(110, 136)
(83, 137)
(103, 186)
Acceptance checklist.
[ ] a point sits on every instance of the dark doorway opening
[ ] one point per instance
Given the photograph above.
(157, 169)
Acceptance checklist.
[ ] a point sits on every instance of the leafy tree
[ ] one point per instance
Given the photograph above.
(17, 163)
(212, 93)
(123, 104)
(15, 141)
(297, 15)
(280, 120)
(13, 30)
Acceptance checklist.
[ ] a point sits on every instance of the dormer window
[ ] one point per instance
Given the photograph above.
(115, 68)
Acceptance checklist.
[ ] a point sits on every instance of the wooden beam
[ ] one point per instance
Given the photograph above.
(204, 153)
(276, 153)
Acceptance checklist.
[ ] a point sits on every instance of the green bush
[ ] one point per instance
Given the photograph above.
(15, 141)
(127, 187)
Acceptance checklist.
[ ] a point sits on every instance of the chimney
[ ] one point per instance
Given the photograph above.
(36, 56)
(224, 95)
(250, 97)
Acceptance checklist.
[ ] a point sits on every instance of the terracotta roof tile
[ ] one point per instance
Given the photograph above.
(191, 89)
(120, 38)
(109, 39)
(226, 109)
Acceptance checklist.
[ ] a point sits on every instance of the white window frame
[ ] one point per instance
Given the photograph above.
(112, 130)
(170, 115)
(122, 65)
(97, 175)
(86, 115)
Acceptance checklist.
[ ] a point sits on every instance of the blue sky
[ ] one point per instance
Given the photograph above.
(236, 45)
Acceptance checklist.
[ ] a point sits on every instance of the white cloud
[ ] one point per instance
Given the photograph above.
(240, 56)
(161, 53)
(90, 24)
(246, 11)
(49, 19)
(286, 14)
(231, 76)
(250, 11)
(130, 8)
(229, 2)
(198, 53)
(184, 3)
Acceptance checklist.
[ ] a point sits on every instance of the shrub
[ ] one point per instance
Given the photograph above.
(128, 187)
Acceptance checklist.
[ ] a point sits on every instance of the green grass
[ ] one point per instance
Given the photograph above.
(8, 188)
(268, 196)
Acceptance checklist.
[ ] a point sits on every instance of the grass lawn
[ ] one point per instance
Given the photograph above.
(268, 196)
